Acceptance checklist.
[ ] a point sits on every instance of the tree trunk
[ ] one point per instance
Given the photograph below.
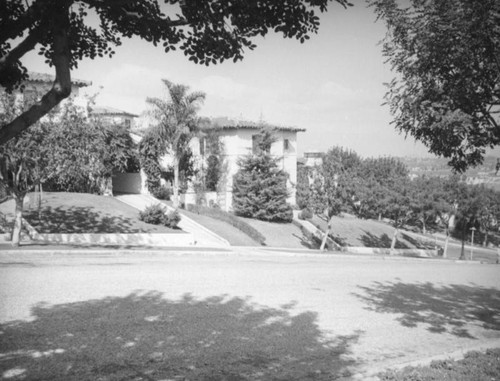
(176, 183)
(18, 220)
(38, 190)
(394, 237)
(445, 251)
(325, 237)
(424, 230)
(485, 242)
(462, 251)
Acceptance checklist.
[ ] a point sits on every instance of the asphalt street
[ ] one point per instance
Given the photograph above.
(247, 313)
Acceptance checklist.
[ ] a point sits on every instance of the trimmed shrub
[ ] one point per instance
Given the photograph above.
(153, 214)
(171, 219)
(230, 219)
(162, 193)
(305, 214)
(156, 215)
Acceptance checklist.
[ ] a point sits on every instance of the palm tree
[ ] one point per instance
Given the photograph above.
(176, 122)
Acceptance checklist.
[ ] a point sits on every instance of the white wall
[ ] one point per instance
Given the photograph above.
(238, 143)
(39, 89)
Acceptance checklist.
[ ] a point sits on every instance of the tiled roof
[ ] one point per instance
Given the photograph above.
(110, 111)
(224, 123)
(49, 78)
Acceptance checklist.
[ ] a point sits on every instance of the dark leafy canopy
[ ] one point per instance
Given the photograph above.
(206, 31)
(446, 55)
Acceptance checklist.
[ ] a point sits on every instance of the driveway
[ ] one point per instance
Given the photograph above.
(250, 314)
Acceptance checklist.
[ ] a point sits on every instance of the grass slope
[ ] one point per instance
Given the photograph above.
(280, 234)
(80, 213)
(233, 235)
(352, 231)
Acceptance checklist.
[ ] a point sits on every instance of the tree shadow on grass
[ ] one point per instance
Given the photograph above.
(146, 337)
(382, 241)
(418, 243)
(304, 241)
(447, 309)
(79, 220)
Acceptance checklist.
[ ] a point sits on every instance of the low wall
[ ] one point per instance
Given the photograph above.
(384, 251)
(190, 198)
(127, 183)
(136, 239)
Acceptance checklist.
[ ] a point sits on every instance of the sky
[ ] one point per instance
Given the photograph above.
(332, 85)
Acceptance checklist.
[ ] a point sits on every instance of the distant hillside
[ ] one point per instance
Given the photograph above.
(439, 166)
(483, 174)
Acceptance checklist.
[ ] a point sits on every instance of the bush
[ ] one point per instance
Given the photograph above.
(153, 214)
(156, 215)
(305, 214)
(172, 219)
(230, 219)
(162, 193)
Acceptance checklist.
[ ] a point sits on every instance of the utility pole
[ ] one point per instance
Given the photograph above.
(473, 229)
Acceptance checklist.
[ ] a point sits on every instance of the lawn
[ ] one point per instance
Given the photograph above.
(352, 231)
(280, 234)
(80, 213)
(233, 235)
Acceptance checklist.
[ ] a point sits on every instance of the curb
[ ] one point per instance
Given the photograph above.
(455, 356)
(14, 256)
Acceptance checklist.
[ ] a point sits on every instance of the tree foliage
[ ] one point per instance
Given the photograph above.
(175, 122)
(66, 152)
(216, 165)
(84, 152)
(446, 57)
(259, 186)
(341, 180)
(65, 33)
(151, 150)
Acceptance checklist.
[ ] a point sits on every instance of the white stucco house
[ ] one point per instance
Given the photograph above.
(114, 116)
(239, 139)
(38, 84)
(313, 158)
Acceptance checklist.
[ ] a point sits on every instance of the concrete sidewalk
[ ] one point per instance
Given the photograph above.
(202, 235)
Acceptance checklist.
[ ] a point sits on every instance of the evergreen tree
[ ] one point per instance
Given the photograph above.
(259, 186)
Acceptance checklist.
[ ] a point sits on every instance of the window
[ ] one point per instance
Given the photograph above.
(127, 123)
(286, 145)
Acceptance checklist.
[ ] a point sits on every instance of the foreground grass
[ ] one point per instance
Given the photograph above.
(475, 366)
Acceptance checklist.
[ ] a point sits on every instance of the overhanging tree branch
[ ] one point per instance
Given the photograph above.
(12, 28)
(15, 54)
(61, 87)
